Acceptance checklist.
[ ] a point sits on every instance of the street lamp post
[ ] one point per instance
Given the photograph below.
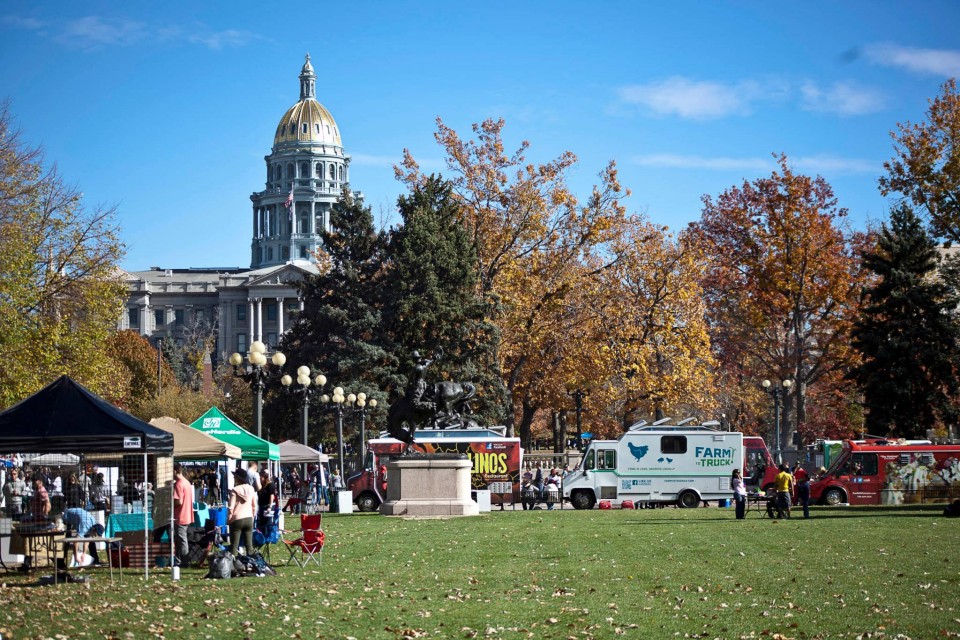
(578, 395)
(257, 377)
(337, 409)
(777, 391)
(358, 404)
(304, 390)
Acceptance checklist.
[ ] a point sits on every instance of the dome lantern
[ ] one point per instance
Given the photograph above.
(308, 81)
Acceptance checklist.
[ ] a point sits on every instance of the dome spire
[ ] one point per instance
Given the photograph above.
(308, 81)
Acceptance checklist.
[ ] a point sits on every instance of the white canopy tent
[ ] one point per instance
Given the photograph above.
(292, 452)
(191, 444)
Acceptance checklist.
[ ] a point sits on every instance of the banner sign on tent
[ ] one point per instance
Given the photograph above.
(131, 442)
(212, 426)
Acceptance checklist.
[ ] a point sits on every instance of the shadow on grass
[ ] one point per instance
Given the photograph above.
(818, 513)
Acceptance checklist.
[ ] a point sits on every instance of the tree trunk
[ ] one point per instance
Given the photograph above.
(526, 422)
(511, 385)
(559, 422)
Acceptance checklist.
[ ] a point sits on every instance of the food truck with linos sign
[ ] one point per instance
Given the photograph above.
(889, 471)
(660, 463)
(496, 462)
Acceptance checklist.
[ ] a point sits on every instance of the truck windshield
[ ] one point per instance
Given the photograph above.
(589, 460)
(839, 463)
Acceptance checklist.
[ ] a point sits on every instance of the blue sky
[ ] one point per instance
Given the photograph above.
(167, 109)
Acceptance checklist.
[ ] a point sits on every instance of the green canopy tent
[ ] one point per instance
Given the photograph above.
(215, 424)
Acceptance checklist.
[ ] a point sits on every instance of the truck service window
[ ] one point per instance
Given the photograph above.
(673, 444)
(607, 459)
(867, 462)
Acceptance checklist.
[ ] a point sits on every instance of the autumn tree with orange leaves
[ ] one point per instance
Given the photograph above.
(926, 169)
(656, 342)
(537, 248)
(782, 288)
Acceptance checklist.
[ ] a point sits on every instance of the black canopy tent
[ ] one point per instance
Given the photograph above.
(66, 417)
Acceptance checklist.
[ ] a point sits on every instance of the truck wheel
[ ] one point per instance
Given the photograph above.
(367, 502)
(688, 500)
(582, 500)
(834, 496)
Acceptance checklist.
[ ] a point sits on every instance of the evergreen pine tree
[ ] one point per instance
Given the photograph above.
(907, 334)
(434, 301)
(340, 331)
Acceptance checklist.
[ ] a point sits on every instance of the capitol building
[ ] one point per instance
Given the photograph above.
(305, 173)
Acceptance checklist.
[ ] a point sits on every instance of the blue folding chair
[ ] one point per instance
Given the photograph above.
(267, 532)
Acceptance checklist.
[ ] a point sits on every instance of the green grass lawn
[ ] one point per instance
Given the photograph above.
(665, 573)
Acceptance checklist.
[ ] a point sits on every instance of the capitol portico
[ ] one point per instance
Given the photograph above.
(306, 172)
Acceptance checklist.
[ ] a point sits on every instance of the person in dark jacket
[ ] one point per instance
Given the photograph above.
(803, 494)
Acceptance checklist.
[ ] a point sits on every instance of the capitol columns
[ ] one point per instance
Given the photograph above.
(280, 311)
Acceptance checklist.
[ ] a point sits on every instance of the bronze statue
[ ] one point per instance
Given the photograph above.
(440, 405)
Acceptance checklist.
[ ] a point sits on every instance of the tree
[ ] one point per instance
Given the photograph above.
(908, 334)
(340, 330)
(535, 244)
(187, 350)
(139, 362)
(781, 284)
(433, 301)
(657, 345)
(60, 294)
(926, 169)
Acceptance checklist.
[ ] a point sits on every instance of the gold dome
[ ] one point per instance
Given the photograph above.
(308, 121)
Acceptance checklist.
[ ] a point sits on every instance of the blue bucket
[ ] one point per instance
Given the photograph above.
(725, 503)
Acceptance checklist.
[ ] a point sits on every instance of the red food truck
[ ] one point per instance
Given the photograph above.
(496, 463)
(759, 468)
(887, 471)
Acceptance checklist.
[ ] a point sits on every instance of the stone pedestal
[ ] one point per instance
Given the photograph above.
(431, 485)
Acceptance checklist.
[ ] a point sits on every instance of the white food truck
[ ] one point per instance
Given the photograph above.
(678, 463)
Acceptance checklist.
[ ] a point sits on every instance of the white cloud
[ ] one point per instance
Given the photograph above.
(834, 165)
(96, 32)
(844, 98)
(720, 163)
(221, 39)
(820, 164)
(93, 32)
(693, 99)
(943, 62)
(16, 22)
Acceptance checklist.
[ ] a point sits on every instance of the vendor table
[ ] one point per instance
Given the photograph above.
(118, 522)
(66, 542)
(37, 543)
(757, 502)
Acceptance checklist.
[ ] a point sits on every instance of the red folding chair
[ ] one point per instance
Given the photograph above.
(309, 546)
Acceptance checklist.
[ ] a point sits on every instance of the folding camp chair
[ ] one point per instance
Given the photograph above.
(309, 546)
(267, 532)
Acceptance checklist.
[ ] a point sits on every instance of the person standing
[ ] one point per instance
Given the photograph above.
(182, 512)
(73, 494)
(320, 484)
(13, 492)
(739, 494)
(267, 499)
(98, 493)
(253, 475)
(803, 494)
(40, 502)
(242, 507)
(784, 486)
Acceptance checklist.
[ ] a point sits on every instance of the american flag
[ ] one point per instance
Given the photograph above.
(289, 202)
